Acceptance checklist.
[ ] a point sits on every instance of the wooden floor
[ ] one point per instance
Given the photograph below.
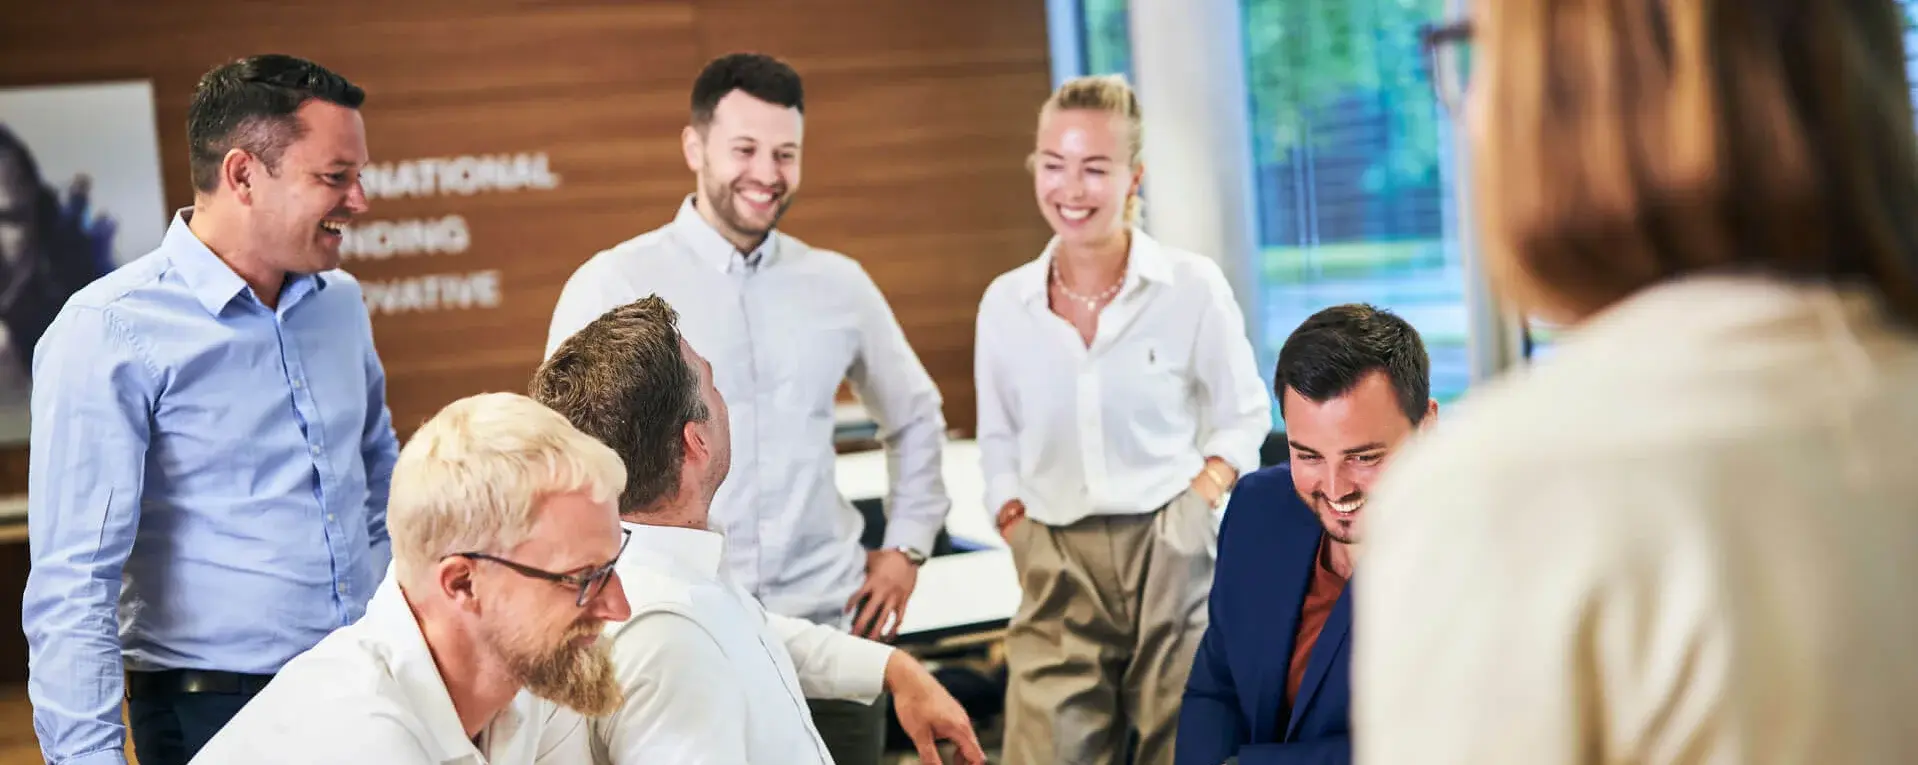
(18, 746)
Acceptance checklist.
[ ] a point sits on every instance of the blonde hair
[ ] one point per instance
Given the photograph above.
(472, 477)
(1108, 94)
(1626, 144)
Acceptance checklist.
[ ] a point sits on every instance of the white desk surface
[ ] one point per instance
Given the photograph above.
(862, 475)
(964, 590)
(978, 590)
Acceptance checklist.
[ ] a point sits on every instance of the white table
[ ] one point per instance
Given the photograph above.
(961, 593)
(862, 475)
(957, 594)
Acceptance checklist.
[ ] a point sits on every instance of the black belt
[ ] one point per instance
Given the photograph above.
(173, 682)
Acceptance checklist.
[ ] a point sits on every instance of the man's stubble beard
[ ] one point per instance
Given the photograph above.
(721, 194)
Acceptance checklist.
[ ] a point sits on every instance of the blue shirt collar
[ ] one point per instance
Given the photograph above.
(211, 280)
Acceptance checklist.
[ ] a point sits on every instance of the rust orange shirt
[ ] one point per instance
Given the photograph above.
(1319, 599)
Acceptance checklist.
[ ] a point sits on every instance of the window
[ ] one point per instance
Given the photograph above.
(1353, 175)
(1108, 38)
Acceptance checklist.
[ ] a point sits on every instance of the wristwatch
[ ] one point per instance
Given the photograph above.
(914, 557)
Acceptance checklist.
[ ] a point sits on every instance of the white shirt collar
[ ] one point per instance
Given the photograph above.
(390, 616)
(704, 240)
(692, 553)
(1144, 262)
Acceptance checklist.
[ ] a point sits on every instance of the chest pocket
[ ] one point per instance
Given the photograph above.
(811, 360)
(1158, 375)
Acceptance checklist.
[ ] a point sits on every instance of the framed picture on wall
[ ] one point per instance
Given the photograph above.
(80, 195)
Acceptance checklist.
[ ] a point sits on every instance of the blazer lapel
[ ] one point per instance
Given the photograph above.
(1331, 642)
(1289, 575)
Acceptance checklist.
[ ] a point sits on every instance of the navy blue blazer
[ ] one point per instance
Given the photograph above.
(1267, 549)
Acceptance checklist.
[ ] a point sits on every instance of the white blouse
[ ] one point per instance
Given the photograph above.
(1124, 425)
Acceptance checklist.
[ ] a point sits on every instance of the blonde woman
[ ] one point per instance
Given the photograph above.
(1691, 535)
(1118, 403)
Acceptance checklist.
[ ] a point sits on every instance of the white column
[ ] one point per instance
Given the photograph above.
(1188, 63)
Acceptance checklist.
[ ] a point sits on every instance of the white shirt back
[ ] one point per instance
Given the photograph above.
(710, 677)
(783, 326)
(1690, 535)
(371, 693)
(1124, 425)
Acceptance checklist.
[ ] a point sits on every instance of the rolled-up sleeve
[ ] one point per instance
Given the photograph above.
(1238, 408)
(998, 428)
(93, 396)
(832, 664)
(903, 399)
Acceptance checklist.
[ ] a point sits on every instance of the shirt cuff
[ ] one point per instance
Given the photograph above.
(1243, 459)
(867, 661)
(1000, 489)
(114, 756)
(918, 530)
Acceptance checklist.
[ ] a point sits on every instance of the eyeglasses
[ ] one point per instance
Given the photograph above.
(589, 583)
(1448, 51)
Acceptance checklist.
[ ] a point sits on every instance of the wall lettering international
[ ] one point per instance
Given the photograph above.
(442, 235)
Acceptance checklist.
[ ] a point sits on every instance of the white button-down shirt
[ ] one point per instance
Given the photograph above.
(370, 693)
(1124, 425)
(783, 326)
(710, 676)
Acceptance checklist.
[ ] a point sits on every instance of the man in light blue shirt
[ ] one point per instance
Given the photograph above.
(211, 447)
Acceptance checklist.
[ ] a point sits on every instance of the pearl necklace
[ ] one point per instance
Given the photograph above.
(1091, 303)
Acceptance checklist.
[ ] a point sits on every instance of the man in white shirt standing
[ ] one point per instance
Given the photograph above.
(784, 324)
(483, 643)
(710, 676)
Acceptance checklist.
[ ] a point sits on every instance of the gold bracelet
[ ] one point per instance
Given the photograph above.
(1222, 483)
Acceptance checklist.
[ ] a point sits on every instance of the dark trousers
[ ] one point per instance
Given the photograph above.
(171, 723)
(854, 733)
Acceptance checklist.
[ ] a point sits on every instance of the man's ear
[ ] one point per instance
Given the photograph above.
(454, 579)
(694, 146)
(236, 174)
(697, 450)
(1431, 414)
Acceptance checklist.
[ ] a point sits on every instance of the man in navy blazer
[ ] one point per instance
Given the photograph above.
(1270, 683)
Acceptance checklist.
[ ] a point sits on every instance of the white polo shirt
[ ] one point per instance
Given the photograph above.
(710, 676)
(371, 693)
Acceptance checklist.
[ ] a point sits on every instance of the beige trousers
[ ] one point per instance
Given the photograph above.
(1111, 616)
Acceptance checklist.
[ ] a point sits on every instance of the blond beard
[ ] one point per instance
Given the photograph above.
(577, 677)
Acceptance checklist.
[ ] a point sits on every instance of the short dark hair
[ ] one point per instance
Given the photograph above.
(1333, 350)
(624, 380)
(248, 104)
(759, 75)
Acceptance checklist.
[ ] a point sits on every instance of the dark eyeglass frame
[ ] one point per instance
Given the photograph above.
(589, 583)
(1441, 43)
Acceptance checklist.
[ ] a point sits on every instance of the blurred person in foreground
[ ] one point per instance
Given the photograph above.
(1271, 682)
(1691, 534)
(710, 675)
(483, 644)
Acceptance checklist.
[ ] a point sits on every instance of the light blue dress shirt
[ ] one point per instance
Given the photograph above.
(207, 487)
